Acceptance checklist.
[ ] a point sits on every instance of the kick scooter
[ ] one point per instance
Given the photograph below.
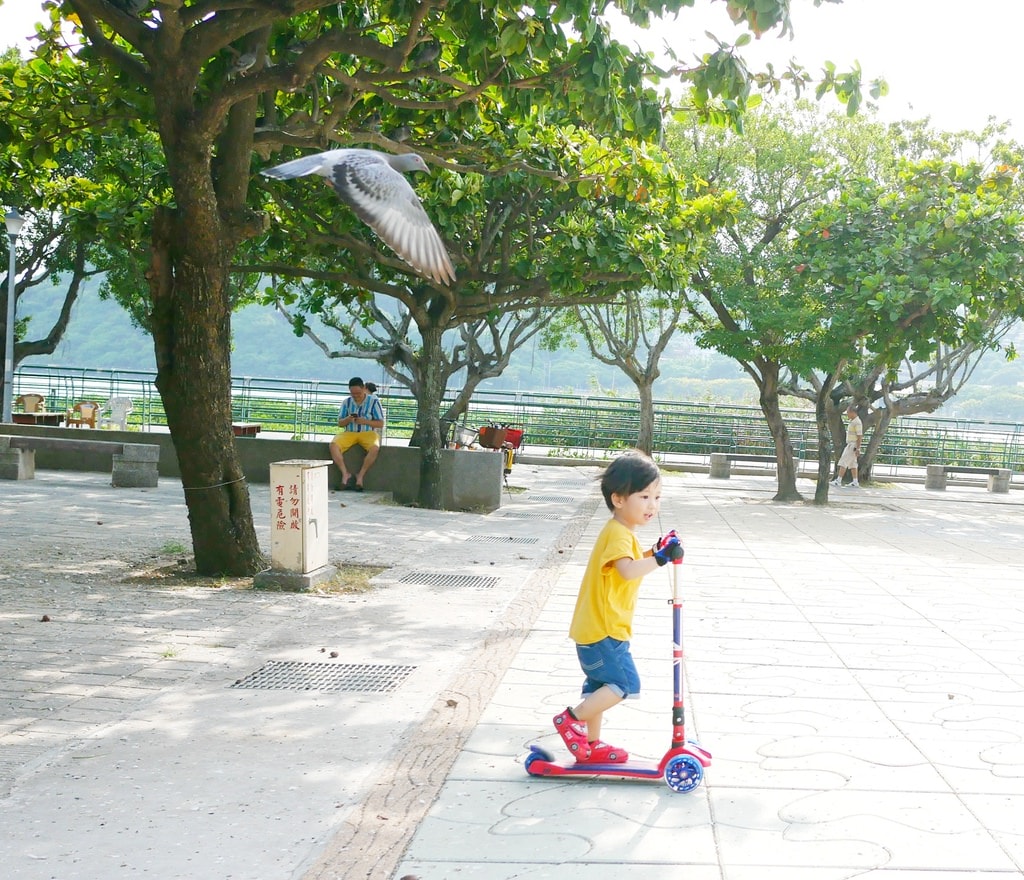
(682, 766)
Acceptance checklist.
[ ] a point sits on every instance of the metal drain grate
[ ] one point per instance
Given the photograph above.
(431, 579)
(520, 514)
(560, 499)
(500, 539)
(292, 675)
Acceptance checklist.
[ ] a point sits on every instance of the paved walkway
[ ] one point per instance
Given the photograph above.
(857, 672)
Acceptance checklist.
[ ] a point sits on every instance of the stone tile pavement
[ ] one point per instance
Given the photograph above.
(857, 672)
(125, 748)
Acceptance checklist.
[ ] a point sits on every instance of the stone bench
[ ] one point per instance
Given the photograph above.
(998, 478)
(134, 464)
(721, 463)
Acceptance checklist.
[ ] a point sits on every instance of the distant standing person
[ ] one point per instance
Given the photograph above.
(851, 454)
(362, 417)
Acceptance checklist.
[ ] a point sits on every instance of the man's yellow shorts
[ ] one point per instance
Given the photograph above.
(347, 439)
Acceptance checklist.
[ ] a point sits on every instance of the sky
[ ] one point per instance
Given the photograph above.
(953, 60)
(956, 61)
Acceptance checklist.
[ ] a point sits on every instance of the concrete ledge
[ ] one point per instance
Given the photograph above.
(470, 479)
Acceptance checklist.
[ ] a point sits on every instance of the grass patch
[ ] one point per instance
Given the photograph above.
(180, 573)
(160, 571)
(350, 580)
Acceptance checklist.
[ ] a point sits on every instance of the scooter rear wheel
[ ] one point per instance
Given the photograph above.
(537, 754)
(683, 773)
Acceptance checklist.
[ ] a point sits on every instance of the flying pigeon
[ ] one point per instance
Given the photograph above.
(373, 185)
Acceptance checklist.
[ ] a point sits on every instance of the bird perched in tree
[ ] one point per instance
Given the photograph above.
(374, 186)
(425, 54)
(243, 64)
(401, 134)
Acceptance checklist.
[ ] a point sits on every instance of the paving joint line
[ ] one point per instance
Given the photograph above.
(376, 833)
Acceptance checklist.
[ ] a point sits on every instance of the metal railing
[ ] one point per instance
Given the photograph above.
(579, 426)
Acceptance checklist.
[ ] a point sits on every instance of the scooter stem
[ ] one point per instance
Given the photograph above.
(678, 720)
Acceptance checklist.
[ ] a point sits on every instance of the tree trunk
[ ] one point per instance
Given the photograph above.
(191, 324)
(878, 432)
(461, 403)
(645, 439)
(428, 405)
(822, 407)
(836, 427)
(769, 400)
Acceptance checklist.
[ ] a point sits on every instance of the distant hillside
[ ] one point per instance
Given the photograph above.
(102, 336)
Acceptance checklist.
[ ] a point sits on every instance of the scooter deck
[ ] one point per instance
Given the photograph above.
(540, 762)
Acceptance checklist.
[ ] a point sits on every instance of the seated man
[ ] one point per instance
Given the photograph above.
(361, 416)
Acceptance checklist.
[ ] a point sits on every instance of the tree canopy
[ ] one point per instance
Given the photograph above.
(70, 190)
(471, 86)
(860, 247)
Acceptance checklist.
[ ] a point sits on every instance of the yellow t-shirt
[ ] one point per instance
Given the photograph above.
(854, 430)
(606, 601)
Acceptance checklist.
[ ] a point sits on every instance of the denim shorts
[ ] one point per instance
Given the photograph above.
(609, 663)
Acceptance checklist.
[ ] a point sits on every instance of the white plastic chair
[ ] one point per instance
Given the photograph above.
(115, 413)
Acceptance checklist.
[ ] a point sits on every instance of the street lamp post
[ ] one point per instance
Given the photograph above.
(14, 221)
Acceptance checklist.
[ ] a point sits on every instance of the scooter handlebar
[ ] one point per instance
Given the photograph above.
(675, 552)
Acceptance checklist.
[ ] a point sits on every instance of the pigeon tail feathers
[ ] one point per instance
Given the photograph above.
(297, 168)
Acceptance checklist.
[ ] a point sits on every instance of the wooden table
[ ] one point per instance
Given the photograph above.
(246, 429)
(53, 419)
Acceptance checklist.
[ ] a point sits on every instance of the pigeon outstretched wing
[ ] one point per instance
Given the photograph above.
(373, 185)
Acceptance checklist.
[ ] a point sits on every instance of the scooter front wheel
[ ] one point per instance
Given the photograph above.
(683, 773)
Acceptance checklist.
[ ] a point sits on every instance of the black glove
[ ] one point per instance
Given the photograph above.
(668, 548)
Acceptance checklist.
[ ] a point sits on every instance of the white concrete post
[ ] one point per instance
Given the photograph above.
(298, 525)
